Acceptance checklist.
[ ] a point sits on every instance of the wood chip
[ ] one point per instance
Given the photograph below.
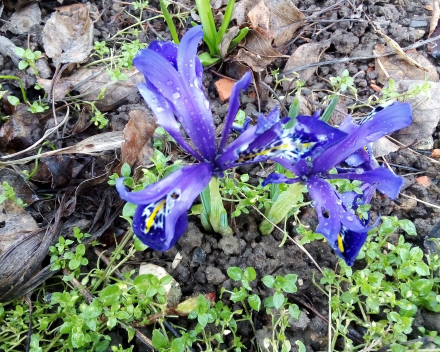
(224, 88)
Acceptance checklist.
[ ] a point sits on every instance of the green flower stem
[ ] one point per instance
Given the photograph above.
(23, 93)
(110, 268)
(169, 21)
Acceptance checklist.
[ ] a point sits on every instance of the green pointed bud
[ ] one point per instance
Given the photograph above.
(214, 216)
(281, 207)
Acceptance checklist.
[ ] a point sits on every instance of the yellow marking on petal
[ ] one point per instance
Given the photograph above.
(151, 218)
(340, 244)
(264, 152)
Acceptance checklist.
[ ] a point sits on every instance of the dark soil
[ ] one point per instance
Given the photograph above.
(207, 256)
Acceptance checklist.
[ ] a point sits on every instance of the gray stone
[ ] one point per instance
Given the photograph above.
(214, 275)
(230, 245)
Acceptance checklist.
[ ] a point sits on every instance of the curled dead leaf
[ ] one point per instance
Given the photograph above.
(22, 129)
(68, 35)
(23, 19)
(435, 16)
(304, 55)
(137, 148)
(426, 116)
(90, 83)
(399, 69)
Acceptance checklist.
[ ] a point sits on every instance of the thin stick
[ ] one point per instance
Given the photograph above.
(276, 96)
(288, 236)
(421, 201)
(348, 59)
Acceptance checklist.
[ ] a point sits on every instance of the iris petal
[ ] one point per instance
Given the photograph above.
(234, 105)
(384, 180)
(394, 117)
(336, 222)
(161, 215)
(182, 89)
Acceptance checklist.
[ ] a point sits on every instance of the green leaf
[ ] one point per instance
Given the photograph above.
(19, 51)
(110, 295)
(235, 273)
(254, 302)
(81, 250)
(22, 65)
(349, 297)
(138, 245)
(203, 319)
(373, 303)
(422, 269)
(397, 348)
(206, 59)
(282, 206)
(13, 100)
(74, 263)
(423, 286)
(330, 108)
(289, 287)
(159, 340)
(239, 295)
(278, 300)
(408, 227)
(269, 281)
(250, 274)
(294, 311)
(301, 346)
(126, 170)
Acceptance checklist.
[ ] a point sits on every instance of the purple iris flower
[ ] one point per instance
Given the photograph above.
(345, 232)
(174, 92)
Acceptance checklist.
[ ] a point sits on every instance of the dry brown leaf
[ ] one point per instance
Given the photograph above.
(227, 39)
(400, 69)
(19, 184)
(17, 224)
(383, 146)
(137, 149)
(435, 16)
(68, 35)
(24, 19)
(304, 55)
(392, 44)
(22, 129)
(286, 18)
(90, 82)
(97, 143)
(258, 53)
(426, 115)
(277, 20)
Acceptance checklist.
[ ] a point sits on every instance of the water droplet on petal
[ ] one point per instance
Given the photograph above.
(359, 171)
(350, 218)
(159, 109)
(170, 83)
(176, 95)
(206, 103)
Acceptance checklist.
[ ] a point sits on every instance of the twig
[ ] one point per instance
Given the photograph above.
(421, 201)
(46, 134)
(348, 59)
(276, 96)
(293, 240)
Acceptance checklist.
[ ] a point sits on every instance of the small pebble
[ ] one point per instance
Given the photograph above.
(198, 257)
(418, 23)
